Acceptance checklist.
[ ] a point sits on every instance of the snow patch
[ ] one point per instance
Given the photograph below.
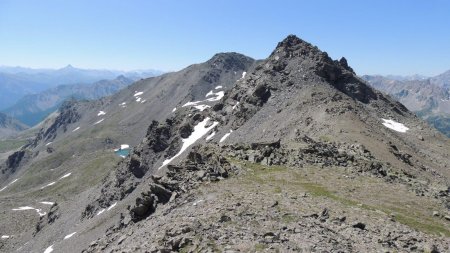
(216, 97)
(69, 235)
(138, 93)
(98, 122)
(49, 249)
(210, 136)
(218, 87)
(66, 175)
(5, 236)
(243, 75)
(24, 208)
(50, 184)
(199, 131)
(191, 103)
(101, 211)
(111, 207)
(174, 109)
(225, 136)
(219, 95)
(201, 107)
(234, 106)
(399, 127)
(48, 143)
(76, 129)
(138, 99)
(12, 182)
(100, 113)
(47, 203)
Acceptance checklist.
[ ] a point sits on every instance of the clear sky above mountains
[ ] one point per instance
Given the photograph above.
(377, 37)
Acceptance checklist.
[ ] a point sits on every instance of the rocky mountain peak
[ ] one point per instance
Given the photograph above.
(230, 61)
(304, 61)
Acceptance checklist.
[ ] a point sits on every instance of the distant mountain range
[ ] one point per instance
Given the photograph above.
(16, 82)
(429, 98)
(33, 108)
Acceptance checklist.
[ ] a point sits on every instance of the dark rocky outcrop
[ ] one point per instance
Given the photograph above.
(68, 114)
(52, 215)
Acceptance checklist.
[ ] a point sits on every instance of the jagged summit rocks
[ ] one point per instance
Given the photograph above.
(309, 61)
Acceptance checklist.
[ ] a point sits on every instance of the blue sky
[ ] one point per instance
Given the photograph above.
(377, 37)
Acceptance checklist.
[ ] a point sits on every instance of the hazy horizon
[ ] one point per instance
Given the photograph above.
(383, 37)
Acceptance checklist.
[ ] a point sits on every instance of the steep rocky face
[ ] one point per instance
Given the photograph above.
(68, 114)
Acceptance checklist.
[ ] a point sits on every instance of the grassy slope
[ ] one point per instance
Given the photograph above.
(372, 194)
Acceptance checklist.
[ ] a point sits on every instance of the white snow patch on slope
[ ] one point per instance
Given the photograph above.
(191, 103)
(138, 99)
(216, 97)
(138, 93)
(50, 184)
(101, 211)
(218, 87)
(234, 106)
(225, 136)
(100, 113)
(69, 235)
(111, 207)
(76, 129)
(48, 143)
(219, 95)
(49, 249)
(243, 74)
(47, 203)
(66, 175)
(98, 121)
(201, 107)
(174, 109)
(124, 146)
(12, 182)
(5, 236)
(199, 131)
(210, 136)
(24, 208)
(399, 127)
